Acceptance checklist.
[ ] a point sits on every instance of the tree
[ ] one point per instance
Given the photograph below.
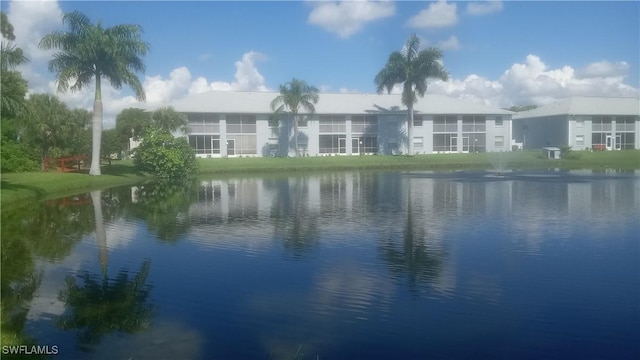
(132, 123)
(89, 53)
(293, 95)
(167, 119)
(13, 87)
(45, 123)
(411, 68)
(165, 156)
(77, 138)
(110, 144)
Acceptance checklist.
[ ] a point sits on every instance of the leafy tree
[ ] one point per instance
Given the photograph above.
(132, 122)
(89, 52)
(13, 87)
(167, 119)
(110, 144)
(165, 156)
(294, 95)
(45, 122)
(412, 68)
(77, 137)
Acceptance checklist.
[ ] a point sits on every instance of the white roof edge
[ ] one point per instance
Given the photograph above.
(258, 102)
(585, 105)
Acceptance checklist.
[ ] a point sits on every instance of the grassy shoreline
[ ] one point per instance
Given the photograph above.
(20, 187)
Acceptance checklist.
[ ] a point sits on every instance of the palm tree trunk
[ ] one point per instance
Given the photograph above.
(101, 233)
(97, 130)
(295, 133)
(410, 131)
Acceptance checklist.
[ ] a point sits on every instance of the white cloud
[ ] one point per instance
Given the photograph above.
(451, 43)
(346, 18)
(483, 7)
(532, 82)
(161, 90)
(31, 21)
(436, 15)
(604, 69)
(247, 77)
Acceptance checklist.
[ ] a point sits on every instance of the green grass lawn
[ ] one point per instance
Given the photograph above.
(42, 185)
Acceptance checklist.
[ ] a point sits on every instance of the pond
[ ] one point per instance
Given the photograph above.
(344, 265)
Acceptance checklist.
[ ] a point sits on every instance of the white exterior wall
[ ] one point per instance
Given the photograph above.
(313, 127)
(392, 129)
(263, 134)
(575, 131)
(492, 131)
(637, 132)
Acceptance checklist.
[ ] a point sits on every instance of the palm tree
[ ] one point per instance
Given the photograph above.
(13, 86)
(412, 68)
(91, 52)
(293, 95)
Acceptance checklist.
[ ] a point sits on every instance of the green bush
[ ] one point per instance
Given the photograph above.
(165, 156)
(17, 158)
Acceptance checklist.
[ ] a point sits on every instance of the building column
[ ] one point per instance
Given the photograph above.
(347, 124)
(223, 135)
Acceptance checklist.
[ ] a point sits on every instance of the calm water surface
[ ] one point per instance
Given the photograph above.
(351, 265)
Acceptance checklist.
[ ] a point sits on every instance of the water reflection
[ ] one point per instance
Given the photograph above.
(386, 264)
(295, 225)
(97, 305)
(415, 255)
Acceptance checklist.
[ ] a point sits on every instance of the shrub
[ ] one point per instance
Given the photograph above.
(165, 156)
(18, 158)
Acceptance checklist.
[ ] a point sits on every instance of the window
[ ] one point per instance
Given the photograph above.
(601, 123)
(445, 142)
(241, 124)
(418, 143)
(445, 123)
(498, 121)
(206, 123)
(579, 123)
(205, 144)
(579, 140)
(364, 124)
(303, 121)
(417, 120)
(332, 124)
(332, 144)
(499, 141)
(626, 140)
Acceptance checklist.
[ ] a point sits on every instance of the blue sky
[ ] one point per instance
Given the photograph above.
(499, 53)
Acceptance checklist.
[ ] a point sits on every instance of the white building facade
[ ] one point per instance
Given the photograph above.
(583, 123)
(230, 124)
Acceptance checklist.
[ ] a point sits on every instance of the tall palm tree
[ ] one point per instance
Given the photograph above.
(13, 87)
(90, 53)
(412, 68)
(293, 95)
